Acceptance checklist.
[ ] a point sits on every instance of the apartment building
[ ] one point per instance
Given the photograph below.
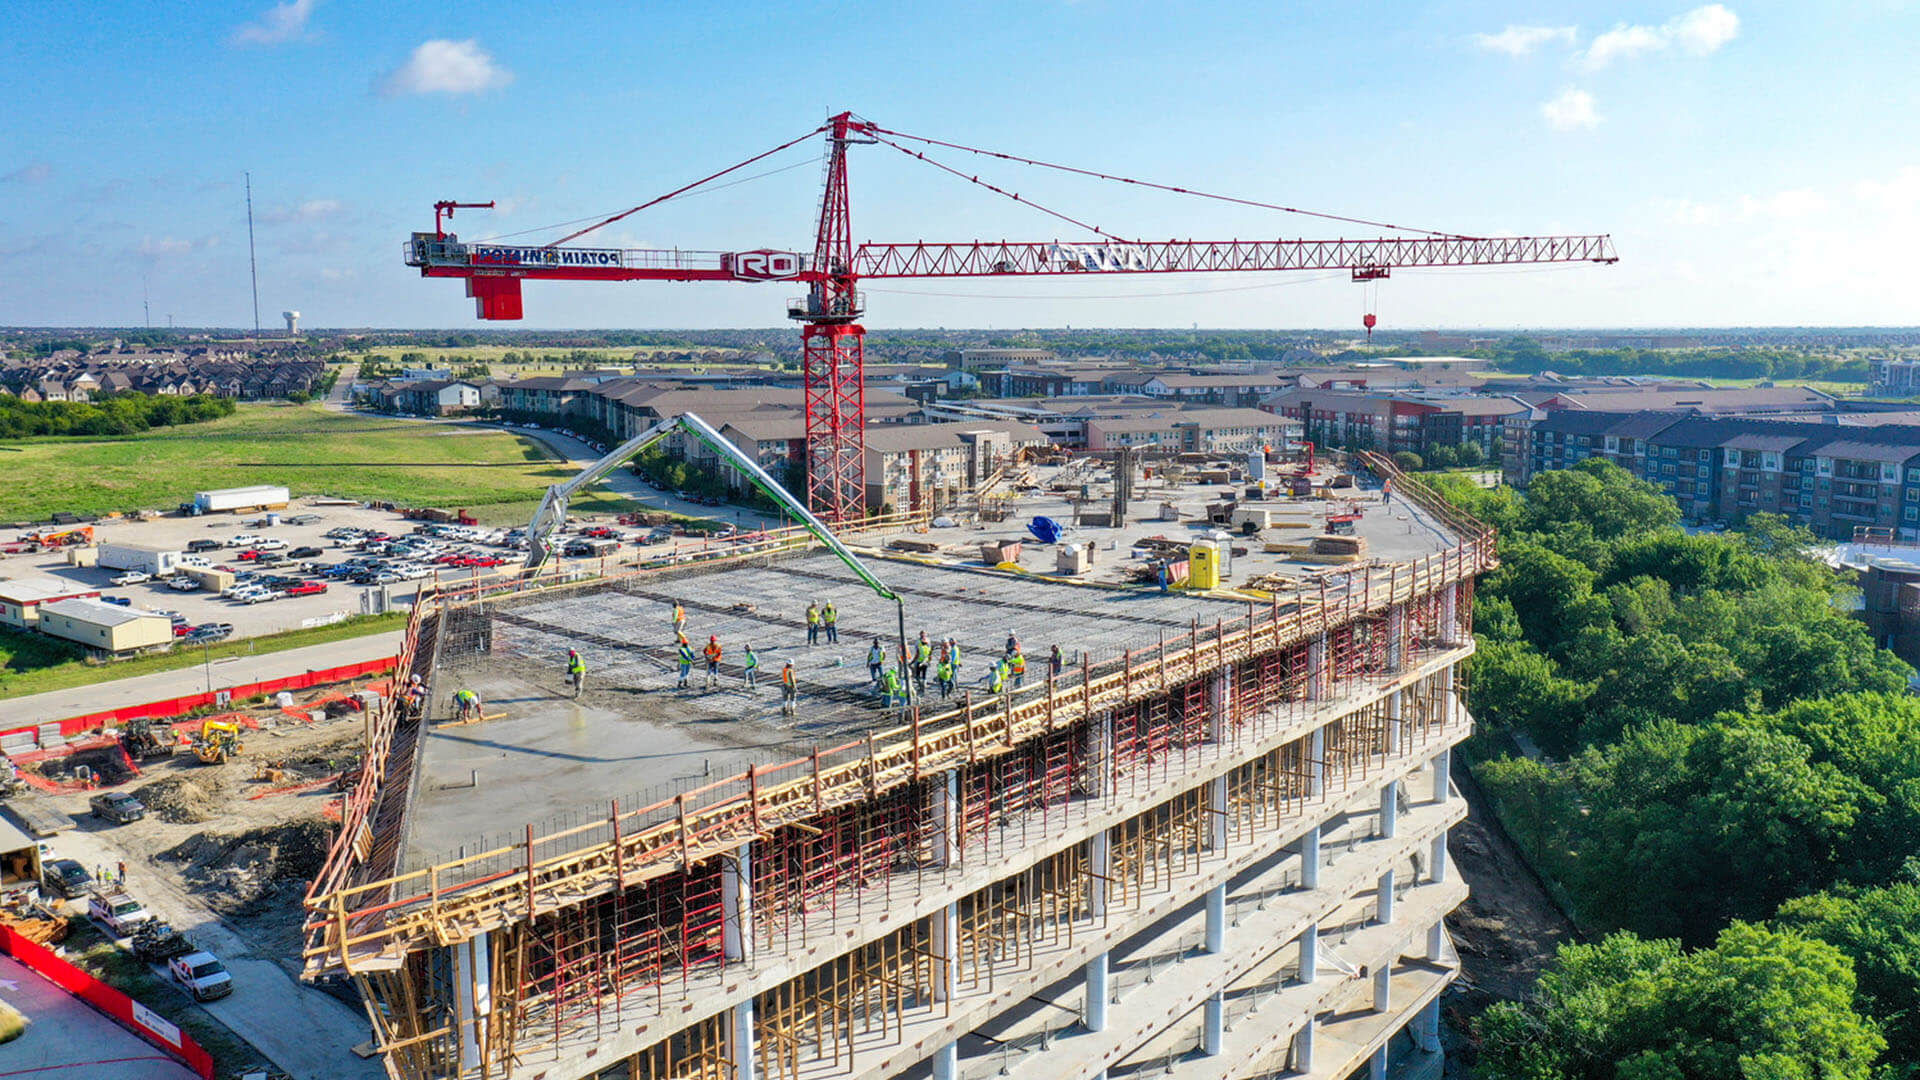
(1193, 431)
(931, 466)
(1396, 422)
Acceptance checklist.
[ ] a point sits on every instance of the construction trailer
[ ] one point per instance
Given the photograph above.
(242, 499)
(1215, 845)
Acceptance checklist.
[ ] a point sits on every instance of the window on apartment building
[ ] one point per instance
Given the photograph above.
(1704, 470)
(1913, 513)
(1669, 452)
(1806, 500)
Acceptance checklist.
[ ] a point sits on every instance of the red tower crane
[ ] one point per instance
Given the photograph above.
(830, 311)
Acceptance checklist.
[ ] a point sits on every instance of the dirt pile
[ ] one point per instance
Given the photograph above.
(182, 800)
(243, 873)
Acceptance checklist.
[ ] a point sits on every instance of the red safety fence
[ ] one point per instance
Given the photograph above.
(129, 1013)
(179, 706)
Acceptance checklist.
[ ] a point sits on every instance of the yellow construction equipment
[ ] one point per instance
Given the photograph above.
(217, 741)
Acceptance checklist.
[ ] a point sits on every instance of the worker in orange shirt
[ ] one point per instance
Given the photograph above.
(679, 619)
(712, 653)
(789, 691)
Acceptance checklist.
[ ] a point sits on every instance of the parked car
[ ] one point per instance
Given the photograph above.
(305, 553)
(263, 596)
(156, 942)
(244, 540)
(133, 577)
(181, 630)
(117, 806)
(204, 545)
(183, 583)
(271, 543)
(116, 909)
(306, 588)
(65, 877)
(202, 975)
(207, 632)
(120, 600)
(302, 519)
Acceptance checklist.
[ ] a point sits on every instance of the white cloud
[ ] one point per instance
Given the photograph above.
(35, 172)
(1573, 110)
(1689, 212)
(1787, 205)
(446, 67)
(167, 245)
(1521, 40)
(1898, 195)
(1704, 29)
(1698, 32)
(311, 210)
(281, 23)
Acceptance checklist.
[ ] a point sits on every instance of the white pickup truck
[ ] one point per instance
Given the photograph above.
(116, 909)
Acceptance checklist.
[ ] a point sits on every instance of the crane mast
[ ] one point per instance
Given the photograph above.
(832, 337)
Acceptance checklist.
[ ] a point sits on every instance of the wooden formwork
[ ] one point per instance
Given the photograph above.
(365, 926)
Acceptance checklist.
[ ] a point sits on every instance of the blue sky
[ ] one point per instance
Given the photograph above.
(1756, 165)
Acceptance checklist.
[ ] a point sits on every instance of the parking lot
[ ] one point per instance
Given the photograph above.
(400, 567)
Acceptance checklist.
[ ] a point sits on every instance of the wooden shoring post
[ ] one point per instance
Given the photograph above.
(1086, 687)
(1006, 714)
(819, 797)
(529, 871)
(1219, 644)
(680, 811)
(968, 724)
(1049, 700)
(619, 856)
(1193, 653)
(753, 798)
(873, 768)
(916, 741)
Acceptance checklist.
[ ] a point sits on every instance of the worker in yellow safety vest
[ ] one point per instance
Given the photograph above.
(813, 623)
(1017, 665)
(576, 671)
(789, 690)
(830, 618)
(685, 657)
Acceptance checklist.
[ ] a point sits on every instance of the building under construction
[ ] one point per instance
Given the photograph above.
(1212, 843)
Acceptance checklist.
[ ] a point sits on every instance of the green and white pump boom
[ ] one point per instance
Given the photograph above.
(552, 513)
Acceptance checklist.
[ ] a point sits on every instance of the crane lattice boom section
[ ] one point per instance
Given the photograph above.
(1206, 256)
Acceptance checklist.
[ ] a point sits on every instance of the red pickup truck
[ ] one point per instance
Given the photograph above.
(306, 588)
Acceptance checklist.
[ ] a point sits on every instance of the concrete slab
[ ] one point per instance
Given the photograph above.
(68, 1038)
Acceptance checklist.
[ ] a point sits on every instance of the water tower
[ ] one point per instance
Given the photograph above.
(293, 322)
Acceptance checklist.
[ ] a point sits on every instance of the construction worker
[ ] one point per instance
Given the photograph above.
(576, 671)
(830, 618)
(685, 656)
(466, 704)
(416, 695)
(895, 690)
(789, 690)
(712, 652)
(997, 677)
(922, 660)
(679, 618)
(1017, 666)
(813, 623)
(1056, 663)
(1013, 643)
(943, 674)
(876, 662)
(752, 667)
(953, 656)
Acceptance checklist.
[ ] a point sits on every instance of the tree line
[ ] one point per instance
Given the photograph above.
(120, 414)
(1723, 778)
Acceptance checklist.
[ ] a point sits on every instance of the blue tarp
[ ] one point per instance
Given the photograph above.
(1045, 529)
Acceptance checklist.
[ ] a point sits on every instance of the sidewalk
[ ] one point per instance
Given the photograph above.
(159, 686)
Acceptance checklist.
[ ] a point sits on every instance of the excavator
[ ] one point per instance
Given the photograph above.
(217, 741)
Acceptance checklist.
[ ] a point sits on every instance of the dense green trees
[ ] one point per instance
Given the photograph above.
(121, 414)
(1759, 1004)
(1525, 355)
(1720, 744)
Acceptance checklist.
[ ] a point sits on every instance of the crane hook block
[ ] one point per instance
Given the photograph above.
(1367, 321)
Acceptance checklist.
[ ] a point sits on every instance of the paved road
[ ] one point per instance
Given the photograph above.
(303, 1031)
(340, 396)
(67, 1038)
(140, 689)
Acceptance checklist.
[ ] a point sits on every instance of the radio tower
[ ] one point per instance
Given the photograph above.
(253, 268)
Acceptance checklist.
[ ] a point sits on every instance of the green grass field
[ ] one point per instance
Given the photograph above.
(31, 664)
(309, 449)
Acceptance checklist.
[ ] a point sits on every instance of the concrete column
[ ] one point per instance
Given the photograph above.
(1217, 813)
(1100, 871)
(1395, 717)
(1390, 809)
(1310, 953)
(1217, 919)
(736, 904)
(1450, 614)
(1099, 754)
(472, 995)
(1426, 1027)
(1377, 1065)
(1303, 1048)
(1437, 872)
(1383, 988)
(1442, 765)
(946, 941)
(1449, 701)
(1437, 941)
(1097, 993)
(946, 1062)
(1310, 859)
(946, 819)
(1319, 683)
(1396, 637)
(1317, 763)
(1213, 1031)
(1383, 896)
(1219, 706)
(742, 1040)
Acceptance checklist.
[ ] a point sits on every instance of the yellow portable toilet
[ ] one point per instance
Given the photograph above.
(1203, 565)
